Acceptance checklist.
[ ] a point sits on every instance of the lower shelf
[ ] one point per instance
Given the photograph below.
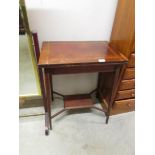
(78, 101)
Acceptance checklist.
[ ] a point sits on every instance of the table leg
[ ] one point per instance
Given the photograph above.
(51, 87)
(99, 84)
(48, 98)
(41, 78)
(113, 93)
(42, 86)
(46, 124)
(122, 70)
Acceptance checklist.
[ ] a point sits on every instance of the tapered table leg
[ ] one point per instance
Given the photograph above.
(113, 93)
(51, 87)
(122, 70)
(43, 91)
(98, 84)
(48, 97)
(46, 124)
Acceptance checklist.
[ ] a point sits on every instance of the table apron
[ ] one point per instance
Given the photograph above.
(81, 69)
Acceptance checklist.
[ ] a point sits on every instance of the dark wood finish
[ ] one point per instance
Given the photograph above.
(77, 101)
(83, 68)
(115, 81)
(61, 111)
(127, 84)
(36, 46)
(131, 62)
(99, 80)
(76, 96)
(40, 72)
(107, 84)
(46, 123)
(48, 95)
(125, 94)
(79, 57)
(37, 55)
(119, 79)
(129, 74)
(61, 53)
(51, 87)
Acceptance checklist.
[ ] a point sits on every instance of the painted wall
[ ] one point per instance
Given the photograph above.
(72, 20)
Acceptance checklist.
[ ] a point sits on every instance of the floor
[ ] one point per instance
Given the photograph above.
(27, 80)
(77, 132)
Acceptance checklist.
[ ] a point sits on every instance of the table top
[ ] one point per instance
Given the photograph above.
(78, 52)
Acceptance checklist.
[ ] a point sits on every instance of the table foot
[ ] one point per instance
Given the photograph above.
(46, 124)
(107, 119)
(46, 132)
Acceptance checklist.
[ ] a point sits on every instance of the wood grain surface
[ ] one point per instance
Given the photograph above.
(57, 53)
(125, 94)
(131, 62)
(123, 32)
(129, 74)
(127, 84)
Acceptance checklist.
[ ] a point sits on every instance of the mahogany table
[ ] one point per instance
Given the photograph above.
(78, 57)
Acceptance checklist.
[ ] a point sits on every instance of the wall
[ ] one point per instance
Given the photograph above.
(72, 20)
